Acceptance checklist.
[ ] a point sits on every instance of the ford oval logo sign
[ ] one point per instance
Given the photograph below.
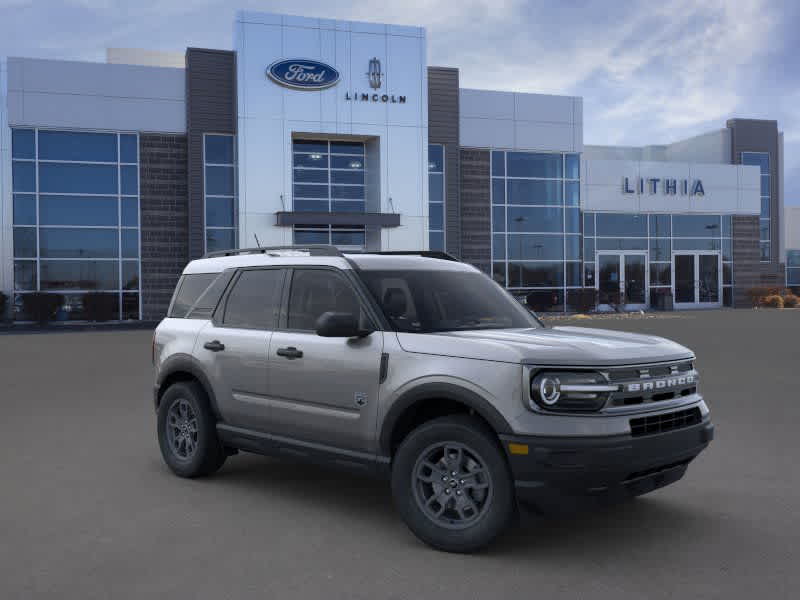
(303, 74)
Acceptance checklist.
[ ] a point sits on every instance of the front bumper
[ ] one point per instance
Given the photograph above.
(559, 472)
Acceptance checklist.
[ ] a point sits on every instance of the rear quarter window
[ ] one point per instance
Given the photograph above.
(188, 291)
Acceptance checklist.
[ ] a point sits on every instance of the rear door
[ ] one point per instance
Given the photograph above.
(233, 346)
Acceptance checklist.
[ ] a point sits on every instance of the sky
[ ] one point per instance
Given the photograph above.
(649, 72)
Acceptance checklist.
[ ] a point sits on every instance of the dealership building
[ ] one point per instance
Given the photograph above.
(113, 175)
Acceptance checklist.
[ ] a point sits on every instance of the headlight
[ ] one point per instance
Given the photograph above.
(570, 391)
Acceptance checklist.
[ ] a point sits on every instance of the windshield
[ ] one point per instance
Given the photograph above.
(418, 301)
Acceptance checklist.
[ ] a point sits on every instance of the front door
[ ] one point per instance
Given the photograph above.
(697, 279)
(622, 279)
(323, 390)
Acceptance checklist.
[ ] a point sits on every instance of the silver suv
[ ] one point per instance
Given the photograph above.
(419, 368)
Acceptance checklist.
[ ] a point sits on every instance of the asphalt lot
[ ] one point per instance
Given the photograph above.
(88, 510)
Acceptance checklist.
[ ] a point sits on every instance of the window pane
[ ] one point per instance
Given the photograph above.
(763, 229)
(312, 237)
(128, 149)
(573, 274)
(77, 179)
(695, 244)
(498, 218)
(219, 149)
(529, 164)
(572, 245)
(316, 161)
(621, 243)
(727, 249)
(129, 180)
(572, 220)
(793, 277)
(345, 162)
(765, 208)
(536, 274)
(535, 247)
(74, 145)
(130, 212)
(660, 274)
(573, 166)
(727, 226)
(310, 146)
(130, 274)
(545, 300)
(588, 274)
(572, 190)
(188, 291)
(130, 307)
(348, 192)
(311, 175)
(315, 291)
(78, 243)
(660, 226)
(347, 148)
(347, 238)
(353, 177)
(765, 251)
(660, 249)
(793, 258)
(588, 249)
(253, 301)
(623, 225)
(765, 185)
(521, 191)
(435, 158)
(25, 242)
(310, 191)
(77, 210)
(498, 163)
(759, 159)
(219, 181)
(79, 275)
(130, 243)
(348, 206)
(588, 224)
(25, 275)
(24, 209)
(696, 225)
(219, 212)
(219, 239)
(498, 191)
(499, 247)
(540, 220)
(436, 241)
(499, 273)
(23, 144)
(311, 205)
(436, 187)
(727, 273)
(436, 216)
(23, 176)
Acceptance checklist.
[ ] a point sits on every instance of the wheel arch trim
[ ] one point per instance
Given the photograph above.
(187, 364)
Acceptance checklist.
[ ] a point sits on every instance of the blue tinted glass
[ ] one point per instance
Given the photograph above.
(530, 164)
(539, 220)
(766, 251)
(219, 181)
(764, 229)
(219, 212)
(727, 225)
(573, 166)
(311, 205)
(311, 237)
(347, 238)
(660, 226)
(498, 164)
(340, 162)
(78, 243)
(588, 224)
(347, 148)
(320, 161)
(25, 275)
(765, 208)
(74, 145)
(310, 191)
(130, 212)
(436, 241)
(572, 220)
(498, 218)
(544, 274)
(727, 249)
(498, 191)
(78, 179)
(696, 225)
(527, 191)
(23, 176)
(347, 192)
(435, 158)
(310, 146)
(23, 144)
(311, 175)
(588, 249)
(572, 190)
(625, 225)
(660, 249)
(219, 239)
(130, 243)
(219, 149)
(129, 180)
(25, 242)
(353, 177)
(759, 159)
(348, 206)
(793, 258)
(793, 277)
(621, 244)
(660, 274)
(695, 244)
(499, 246)
(24, 209)
(128, 150)
(436, 188)
(77, 210)
(573, 276)
(436, 216)
(130, 274)
(765, 185)
(80, 275)
(588, 271)
(535, 247)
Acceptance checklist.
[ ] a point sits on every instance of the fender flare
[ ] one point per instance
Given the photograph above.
(447, 391)
(187, 364)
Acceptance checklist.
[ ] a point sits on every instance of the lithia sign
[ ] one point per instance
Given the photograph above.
(306, 74)
(667, 186)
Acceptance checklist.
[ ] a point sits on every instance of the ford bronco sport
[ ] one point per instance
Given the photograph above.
(420, 368)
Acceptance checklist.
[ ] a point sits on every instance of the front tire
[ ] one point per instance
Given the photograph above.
(187, 433)
(452, 485)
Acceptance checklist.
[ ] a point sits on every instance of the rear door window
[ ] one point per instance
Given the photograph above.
(189, 289)
(254, 300)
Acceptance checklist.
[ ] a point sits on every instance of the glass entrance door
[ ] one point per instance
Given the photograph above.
(622, 279)
(697, 280)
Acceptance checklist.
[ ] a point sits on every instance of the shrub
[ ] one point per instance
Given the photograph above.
(41, 306)
(99, 306)
(790, 301)
(758, 295)
(773, 301)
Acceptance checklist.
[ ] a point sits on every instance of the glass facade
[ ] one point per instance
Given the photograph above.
(793, 268)
(436, 197)
(536, 241)
(761, 160)
(76, 219)
(219, 166)
(328, 176)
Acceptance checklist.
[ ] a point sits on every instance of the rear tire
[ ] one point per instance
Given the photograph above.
(187, 433)
(452, 485)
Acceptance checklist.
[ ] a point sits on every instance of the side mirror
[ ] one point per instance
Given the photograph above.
(337, 324)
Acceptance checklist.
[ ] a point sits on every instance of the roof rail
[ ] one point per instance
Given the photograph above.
(312, 249)
(424, 253)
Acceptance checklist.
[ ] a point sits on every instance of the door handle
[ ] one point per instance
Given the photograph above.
(215, 346)
(291, 352)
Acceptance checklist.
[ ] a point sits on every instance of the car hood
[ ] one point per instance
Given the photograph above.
(581, 346)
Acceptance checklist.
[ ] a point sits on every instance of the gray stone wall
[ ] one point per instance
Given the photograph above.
(476, 209)
(163, 198)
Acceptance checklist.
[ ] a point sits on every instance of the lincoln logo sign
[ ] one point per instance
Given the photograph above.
(667, 186)
(302, 74)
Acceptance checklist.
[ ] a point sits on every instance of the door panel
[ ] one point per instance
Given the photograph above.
(708, 275)
(635, 278)
(684, 278)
